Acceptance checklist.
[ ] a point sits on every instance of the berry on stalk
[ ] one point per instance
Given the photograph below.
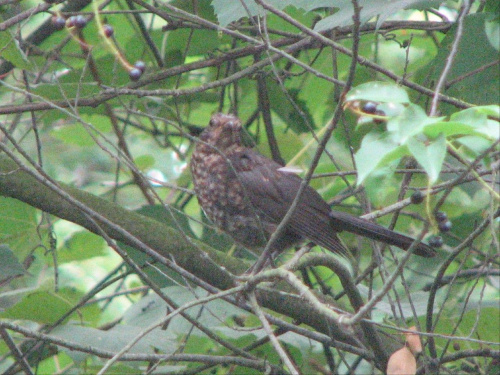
(58, 22)
(80, 21)
(108, 30)
(135, 74)
(445, 226)
(441, 216)
(141, 65)
(417, 197)
(436, 241)
(369, 107)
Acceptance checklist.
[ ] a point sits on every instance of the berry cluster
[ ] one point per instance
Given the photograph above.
(78, 22)
(444, 225)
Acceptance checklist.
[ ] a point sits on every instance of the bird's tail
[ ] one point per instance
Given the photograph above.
(377, 232)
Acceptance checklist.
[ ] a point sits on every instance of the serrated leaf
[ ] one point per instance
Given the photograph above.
(430, 156)
(475, 54)
(230, 11)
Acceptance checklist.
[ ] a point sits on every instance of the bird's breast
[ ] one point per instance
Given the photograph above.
(223, 199)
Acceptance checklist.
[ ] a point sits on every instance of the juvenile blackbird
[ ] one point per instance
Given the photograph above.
(247, 195)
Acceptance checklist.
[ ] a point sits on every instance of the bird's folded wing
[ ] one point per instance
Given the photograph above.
(272, 193)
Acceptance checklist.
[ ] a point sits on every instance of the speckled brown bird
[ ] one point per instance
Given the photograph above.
(247, 195)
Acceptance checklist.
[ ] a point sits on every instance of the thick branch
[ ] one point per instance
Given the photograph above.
(200, 259)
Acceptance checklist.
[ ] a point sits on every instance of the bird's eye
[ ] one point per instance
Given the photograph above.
(211, 123)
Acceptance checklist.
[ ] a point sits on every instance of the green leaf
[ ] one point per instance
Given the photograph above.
(430, 156)
(457, 203)
(475, 54)
(381, 185)
(230, 11)
(63, 91)
(170, 216)
(10, 51)
(478, 119)
(82, 245)
(376, 150)
(18, 226)
(144, 162)
(410, 122)
(369, 10)
(475, 144)
(492, 31)
(116, 338)
(151, 308)
(42, 307)
(9, 265)
(199, 41)
(489, 110)
(448, 128)
(282, 106)
(79, 134)
(378, 92)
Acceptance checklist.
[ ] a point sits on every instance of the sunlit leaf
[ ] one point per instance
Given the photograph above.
(378, 92)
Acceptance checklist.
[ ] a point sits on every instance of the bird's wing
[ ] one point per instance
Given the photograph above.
(272, 192)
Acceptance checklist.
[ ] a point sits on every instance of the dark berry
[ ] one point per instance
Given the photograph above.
(441, 216)
(417, 197)
(58, 22)
(70, 22)
(141, 65)
(80, 21)
(436, 241)
(369, 107)
(135, 74)
(444, 226)
(108, 30)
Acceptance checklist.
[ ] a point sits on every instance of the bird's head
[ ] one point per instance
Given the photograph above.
(223, 131)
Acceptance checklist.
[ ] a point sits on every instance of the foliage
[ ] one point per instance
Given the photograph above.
(102, 112)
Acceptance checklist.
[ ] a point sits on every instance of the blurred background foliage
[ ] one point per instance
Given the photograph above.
(70, 99)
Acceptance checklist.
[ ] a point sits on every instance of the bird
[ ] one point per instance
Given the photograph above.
(246, 195)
